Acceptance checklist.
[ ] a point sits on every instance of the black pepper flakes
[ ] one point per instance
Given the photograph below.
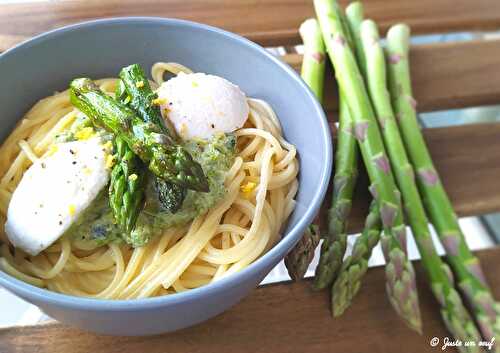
(43, 165)
(74, 162)
(60, 223)
(213, 126)
(71, 151)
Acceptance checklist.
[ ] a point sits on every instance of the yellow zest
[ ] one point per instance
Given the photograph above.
(194, 84)
(139, 84)
(159, 101)
(71, 210)
(108, 146)
(53, 149)
(132, 177)
(85, 133)
(248, 187)
(110, 161)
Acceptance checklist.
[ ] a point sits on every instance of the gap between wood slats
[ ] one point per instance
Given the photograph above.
(445, 75)
(270, 22)
(278, 318)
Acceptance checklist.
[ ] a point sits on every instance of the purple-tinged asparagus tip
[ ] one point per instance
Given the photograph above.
(474, 267)
(487, 303)
(388, 214)
(385, 243)
(397, 258)
(395, 58)
(451, 241)
(318, 57)
(382, 163)
(339, 39)
(348, 130)
(428, 176)
(467, 291)
(413, 102)
(485, 328)
(401, 236)
(361, 130)
(427, 244)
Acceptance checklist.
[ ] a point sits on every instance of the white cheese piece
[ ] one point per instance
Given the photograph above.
(54, 191)
(200, 105)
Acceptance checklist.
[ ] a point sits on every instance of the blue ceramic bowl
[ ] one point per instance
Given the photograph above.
(47, 63)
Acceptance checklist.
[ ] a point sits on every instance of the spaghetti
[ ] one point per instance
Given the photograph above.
(244, 224)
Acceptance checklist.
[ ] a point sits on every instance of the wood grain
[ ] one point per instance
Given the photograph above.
(468, 159)
(445, 75)
(279, 318)
(270, 22)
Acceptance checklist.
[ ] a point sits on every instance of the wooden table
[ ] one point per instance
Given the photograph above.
(289, 317)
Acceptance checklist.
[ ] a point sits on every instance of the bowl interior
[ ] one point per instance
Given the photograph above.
(101, 48)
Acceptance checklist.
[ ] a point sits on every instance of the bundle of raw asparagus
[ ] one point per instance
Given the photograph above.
(377, 117)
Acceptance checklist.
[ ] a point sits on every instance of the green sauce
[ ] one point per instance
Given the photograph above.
(96, 225)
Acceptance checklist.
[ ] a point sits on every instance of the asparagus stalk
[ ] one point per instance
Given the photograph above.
(313, 70)
(465, 265)
(348, 282)
(165, 160)
(126, 188)
(344, 181)
(355, 15)
(298, 259)
(351, 273)
(453, 311)
(142, 97)
(135, 88)
(313, 62)
(400, 286)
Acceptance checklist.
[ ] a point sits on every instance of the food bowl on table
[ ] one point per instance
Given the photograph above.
(47, 63)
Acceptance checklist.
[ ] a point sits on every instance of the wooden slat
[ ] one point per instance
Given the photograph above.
(468, 160)
(280, 318)
(445, 75)
(270, 22)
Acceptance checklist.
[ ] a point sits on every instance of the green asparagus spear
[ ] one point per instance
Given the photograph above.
(135, 85)
(344, 181)
(126, 189)
(142, 97)
(313, 70)
(171, 196)
(346, 162)
(401, 286)
(465, 265)
(355, 15)
(351, 273)
(453, 311)
(313, 62)
(298, 259)
(166, 160)
(348, 282)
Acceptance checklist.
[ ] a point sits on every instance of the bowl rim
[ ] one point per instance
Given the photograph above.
(289, 239)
